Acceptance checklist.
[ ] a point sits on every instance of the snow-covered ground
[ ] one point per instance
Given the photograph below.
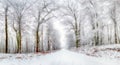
(105, 51)
(62, 57)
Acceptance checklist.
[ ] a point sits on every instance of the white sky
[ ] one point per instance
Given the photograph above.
(60, 28)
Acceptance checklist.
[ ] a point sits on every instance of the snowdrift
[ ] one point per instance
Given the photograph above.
(106, 51)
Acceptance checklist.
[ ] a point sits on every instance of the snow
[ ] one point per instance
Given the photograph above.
(110, 46)
(105, 51)
(61, 57)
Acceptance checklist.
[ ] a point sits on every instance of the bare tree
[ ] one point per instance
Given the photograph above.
(44, 13)
(49, 36)
(114, 19)
(96, 24)
(6, 9)
(72, 11)
(19, 8)
(6, 28)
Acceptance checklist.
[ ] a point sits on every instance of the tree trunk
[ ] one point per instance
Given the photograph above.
(27, 49)
(20, 44)
(37, 41)
(19, 38)
(42, 43)
(6, 30)
(77, 41)
(115, 33)
(96, 34)
(49, 45)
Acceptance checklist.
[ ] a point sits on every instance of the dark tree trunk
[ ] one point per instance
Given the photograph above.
(49, 45)
(42, 49)
(77, 41)
(97, 35)
(37, 41)
(6, 30)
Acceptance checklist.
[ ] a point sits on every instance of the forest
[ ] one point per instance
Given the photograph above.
(45, 25)
(59, 32)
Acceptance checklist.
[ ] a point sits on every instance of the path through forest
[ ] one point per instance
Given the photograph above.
(65, 57)
(62, 57)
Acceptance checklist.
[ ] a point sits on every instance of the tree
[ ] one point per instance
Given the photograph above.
(6, 9)
(49, 36)
(73, 11)
(114, 19)
(6, 28)
(19, 8)
(6, 25)
(44, 13)
(95, 23)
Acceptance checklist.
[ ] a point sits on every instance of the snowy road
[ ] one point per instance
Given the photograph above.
(62, 57)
